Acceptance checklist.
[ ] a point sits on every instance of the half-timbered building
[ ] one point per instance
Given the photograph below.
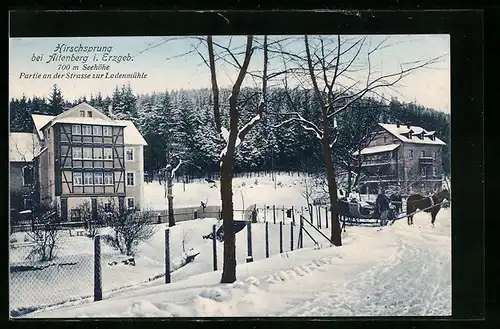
(87, 157)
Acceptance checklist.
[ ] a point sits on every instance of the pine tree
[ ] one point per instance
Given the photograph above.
(56, 104)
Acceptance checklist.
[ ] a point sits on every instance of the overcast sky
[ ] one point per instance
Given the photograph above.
(167, 70)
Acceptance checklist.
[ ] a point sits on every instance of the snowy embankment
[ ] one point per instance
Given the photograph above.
(400, 270)
(69, 277)
(73, 282)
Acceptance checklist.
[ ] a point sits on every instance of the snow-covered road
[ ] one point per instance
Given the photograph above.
(399, 271)
(413, 281)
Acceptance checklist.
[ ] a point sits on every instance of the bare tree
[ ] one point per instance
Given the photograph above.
(307, 189)
(325, 64)
(44, 232)
(357, 129)
(169, 175)
(130, 227)
(185, 238)
(233, 137)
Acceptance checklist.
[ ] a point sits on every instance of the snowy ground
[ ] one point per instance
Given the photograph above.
(399, 256)
(400, 270)
(255, 190)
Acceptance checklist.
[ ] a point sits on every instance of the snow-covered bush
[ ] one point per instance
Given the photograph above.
(130, 227)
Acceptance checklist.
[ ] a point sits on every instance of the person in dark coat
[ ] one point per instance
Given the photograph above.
(383, 204)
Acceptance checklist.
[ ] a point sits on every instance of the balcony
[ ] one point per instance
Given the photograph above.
(379, 178)
(378, 162)
(426, 160)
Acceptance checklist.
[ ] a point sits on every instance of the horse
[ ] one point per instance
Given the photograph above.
(419, 202)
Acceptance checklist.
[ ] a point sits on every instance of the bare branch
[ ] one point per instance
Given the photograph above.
(306, 124)
(246, 128)
(215, 88)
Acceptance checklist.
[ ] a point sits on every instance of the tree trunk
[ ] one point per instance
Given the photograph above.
(170, 197)
(335, 237)
(226, 192)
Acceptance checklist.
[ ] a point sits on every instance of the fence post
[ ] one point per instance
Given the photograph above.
(283, 211)
(265, 213)
(326, 217)
(293, 216)
(274, 214)
(267, 240)
(249, 242)
(214, 248)
(311, 207)
(167, 256)
(281, 237)
(319, 218)
(97, 269)
(301, 236)
(291, 237)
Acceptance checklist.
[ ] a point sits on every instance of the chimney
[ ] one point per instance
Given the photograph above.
(398, 125)
(408, 126)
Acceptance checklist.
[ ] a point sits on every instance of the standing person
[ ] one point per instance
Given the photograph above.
(383, 205)
(254, 215)
(354, 195)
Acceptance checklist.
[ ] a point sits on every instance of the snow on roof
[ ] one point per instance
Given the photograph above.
(131, 134)
(40, 120)
(378, 149)
(89, 121)
(403, 129)
(23, 146)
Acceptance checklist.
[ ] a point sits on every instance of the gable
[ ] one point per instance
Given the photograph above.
(76, 111)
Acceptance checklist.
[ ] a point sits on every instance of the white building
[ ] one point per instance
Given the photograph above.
(86, 156)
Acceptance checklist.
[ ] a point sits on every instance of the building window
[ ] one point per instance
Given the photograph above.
(108, 153)
(385, 139)
(107, 131)
(422, 172)
(77, 178)
(89, 114)
(27, 175)
(422, 154)
(98, 153)
(130, 154)
(77, 152)
(87, 153)
(76, 130)
(410, 154)
(108, 178)
(48, 134)
(88, 178)
(27, 203)
(98, 178)
(87, 130)
(75, 215)
(97, 130)
(130, 203)
(434, 171)
(82, 114)
(130, 178)
(435, 156)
